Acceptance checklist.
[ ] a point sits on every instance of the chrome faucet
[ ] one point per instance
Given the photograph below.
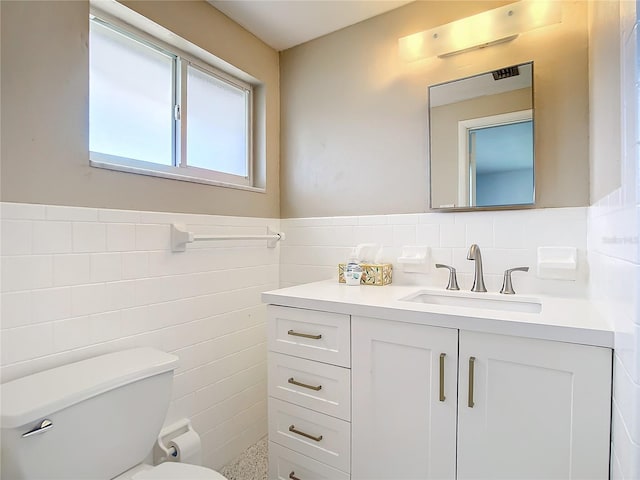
(478, 281)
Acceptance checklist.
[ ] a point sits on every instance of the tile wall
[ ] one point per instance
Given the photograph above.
(78, 282)
(314, 246)
(614, 258)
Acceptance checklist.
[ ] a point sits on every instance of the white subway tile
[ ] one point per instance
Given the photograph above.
(72, 269)
(17, 309)
(428, 234)
(134, 320)
(480, 233)
(442, 255)
(89, 237)
(121, 295)
(121, 237)
(452, 235)
(153, 237)
(627, 452)
(24, 343)
(403, 219)
(51, 304)
(627, 396)
(508, 233)
(404, 235)
(380, 234)
(17, 237)
(460, 262)
(106, 267)
(88, 299)
(105, 326)
(161, 217)
(344, 220)
(373, 220)
(118, 216)
(22, 211)
(465, 218)
(79, 214)
(26, 272)
(135, 265)
(52, 237)
(437, 218)
(70, 334)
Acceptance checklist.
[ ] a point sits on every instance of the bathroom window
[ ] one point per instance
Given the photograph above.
(156, 111)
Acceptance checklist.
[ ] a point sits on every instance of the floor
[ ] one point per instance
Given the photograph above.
(250, 465)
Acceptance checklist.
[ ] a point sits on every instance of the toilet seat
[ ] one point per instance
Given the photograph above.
(171, 471)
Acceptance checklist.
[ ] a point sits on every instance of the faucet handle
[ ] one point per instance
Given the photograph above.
(507, 286)
(453, 281)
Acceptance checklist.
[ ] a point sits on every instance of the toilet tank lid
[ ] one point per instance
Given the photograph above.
(33, 397)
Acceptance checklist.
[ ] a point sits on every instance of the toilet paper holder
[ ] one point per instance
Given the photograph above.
(167, 446)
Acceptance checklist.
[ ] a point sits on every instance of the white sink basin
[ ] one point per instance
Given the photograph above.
(492, 302)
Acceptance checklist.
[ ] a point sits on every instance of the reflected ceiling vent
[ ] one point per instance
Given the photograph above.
(506, 73)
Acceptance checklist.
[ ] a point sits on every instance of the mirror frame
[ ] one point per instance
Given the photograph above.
(526, 206)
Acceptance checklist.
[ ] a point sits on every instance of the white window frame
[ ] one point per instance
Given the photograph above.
(180, 170)
(466, 181)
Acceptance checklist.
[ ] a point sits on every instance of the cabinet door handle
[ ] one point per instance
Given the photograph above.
(442, 397)
(305, 335)
(310, 387)
(292, 428)
(292, 476)
(472, 361)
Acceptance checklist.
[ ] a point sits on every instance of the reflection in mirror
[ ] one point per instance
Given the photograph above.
(481, 137)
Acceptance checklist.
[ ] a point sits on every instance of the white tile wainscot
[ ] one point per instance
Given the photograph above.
(509, 389)
(79, 282)
(314, 246)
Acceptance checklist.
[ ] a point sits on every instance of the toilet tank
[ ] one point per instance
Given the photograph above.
(105, 415)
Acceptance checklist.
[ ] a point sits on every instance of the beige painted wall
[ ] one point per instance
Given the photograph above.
(354, 116)
(45, 83)
(444, 133)
(604, 98)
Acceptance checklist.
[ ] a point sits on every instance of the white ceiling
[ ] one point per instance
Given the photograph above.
(284, 24)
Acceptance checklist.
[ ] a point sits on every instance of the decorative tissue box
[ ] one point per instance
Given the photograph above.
(372, 273)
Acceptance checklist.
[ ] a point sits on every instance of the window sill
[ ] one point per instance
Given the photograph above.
(171, 175)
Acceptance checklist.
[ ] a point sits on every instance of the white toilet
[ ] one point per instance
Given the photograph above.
(97, 419)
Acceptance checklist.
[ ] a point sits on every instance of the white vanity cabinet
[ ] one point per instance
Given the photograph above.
(309, 394)
(532, 409)
(493, 407)
(404, 379)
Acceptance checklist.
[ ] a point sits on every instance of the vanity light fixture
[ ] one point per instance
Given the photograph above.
(482, 30)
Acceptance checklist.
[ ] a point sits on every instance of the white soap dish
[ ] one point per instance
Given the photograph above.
(415, 259)
(557, 263)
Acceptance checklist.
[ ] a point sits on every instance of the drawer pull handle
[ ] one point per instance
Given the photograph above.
(292, 428)
(292, 476)
(472, 361)
(305, 335)
(442, 397)
(310, 387)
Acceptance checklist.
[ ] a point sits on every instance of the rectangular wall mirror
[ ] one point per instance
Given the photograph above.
(482, 141)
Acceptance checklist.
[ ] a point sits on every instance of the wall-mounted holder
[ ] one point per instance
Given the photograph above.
(415, 259)
(557, 263)
(180, 237)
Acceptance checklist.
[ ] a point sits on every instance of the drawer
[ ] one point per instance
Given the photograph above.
(318, 386)
(321, 437)
(285, 464)
(320, 336)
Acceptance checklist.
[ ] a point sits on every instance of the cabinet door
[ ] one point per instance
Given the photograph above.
(401, 426)
(537, 409)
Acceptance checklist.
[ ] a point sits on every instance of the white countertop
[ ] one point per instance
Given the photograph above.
(562, 319)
